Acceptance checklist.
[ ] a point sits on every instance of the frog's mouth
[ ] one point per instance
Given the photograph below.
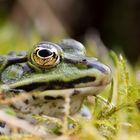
(83, 83)
(57, 84)
(85, 91)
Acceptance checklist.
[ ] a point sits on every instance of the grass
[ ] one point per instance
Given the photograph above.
(115, 113)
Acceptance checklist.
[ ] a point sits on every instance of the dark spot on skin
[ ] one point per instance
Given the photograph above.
(52, 98)
(54, 104)
(51, 106)
(2, 124)
(11, 131)
(26, 101)
(48, 98)
(60, 107)
(20, 117)
(34, 98)
(34, 114)
(59, 97)
(45, 102)
(75, 92)
(2, 97)
(84, 60)
(40, 113)
(12, 106)
(27, 109)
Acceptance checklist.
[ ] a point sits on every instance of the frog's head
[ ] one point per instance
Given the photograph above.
(57, 66)
(53, 70)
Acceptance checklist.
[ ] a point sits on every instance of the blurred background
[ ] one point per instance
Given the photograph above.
(111, 23)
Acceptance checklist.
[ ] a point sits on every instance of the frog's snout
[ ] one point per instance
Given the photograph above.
(107, 74)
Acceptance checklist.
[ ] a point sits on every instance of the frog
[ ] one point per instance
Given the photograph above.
(47, 74)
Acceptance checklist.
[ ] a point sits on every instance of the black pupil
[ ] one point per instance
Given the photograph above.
(44, 53)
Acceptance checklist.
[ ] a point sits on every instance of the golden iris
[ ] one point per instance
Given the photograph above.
(45, 57)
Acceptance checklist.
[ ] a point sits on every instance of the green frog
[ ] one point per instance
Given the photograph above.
(47, 74)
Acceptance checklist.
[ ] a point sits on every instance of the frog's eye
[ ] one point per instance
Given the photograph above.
(46, 55)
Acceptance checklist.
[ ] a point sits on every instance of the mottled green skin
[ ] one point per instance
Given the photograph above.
(76, 75)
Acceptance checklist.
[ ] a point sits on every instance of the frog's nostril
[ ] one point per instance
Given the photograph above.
(84, 60)
(106, 73)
